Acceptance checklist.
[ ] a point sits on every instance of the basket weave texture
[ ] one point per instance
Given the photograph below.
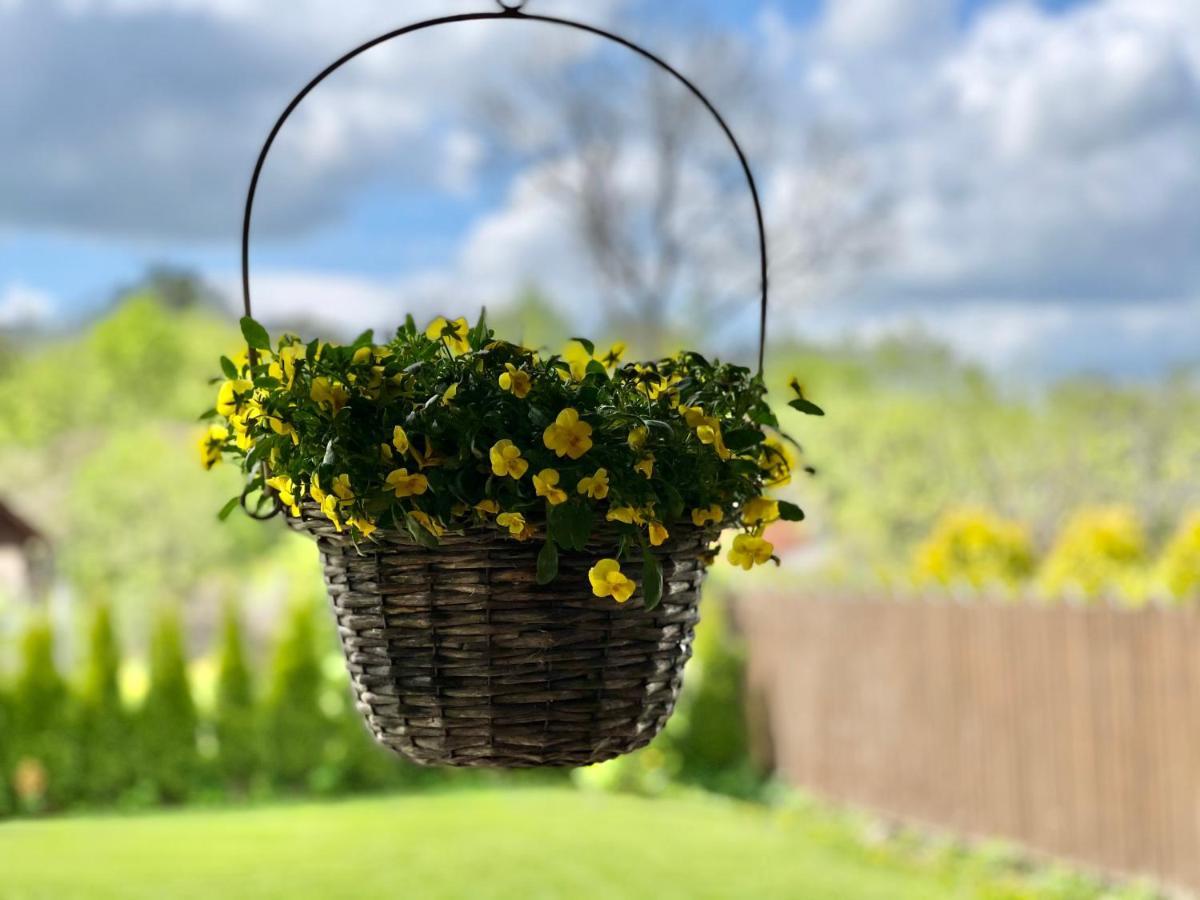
(459, 658)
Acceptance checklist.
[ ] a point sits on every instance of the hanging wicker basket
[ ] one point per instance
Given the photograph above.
(457, 655)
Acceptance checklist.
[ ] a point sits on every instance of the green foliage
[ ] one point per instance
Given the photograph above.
(43, 758)
(712, 739)
(1100, 554)
(974, 547)
(7, 738)
(104, 727)
(235, 716)
(1179, 567)
(168, 761)
(451, 428)
(295, 727)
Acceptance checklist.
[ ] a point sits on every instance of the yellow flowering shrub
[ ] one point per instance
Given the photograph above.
(1100, 553)
(447, 428)
(974, 547)
(1179, 566)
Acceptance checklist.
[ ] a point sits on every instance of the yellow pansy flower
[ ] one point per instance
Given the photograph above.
(404, 485)
(284, 366)
(329, 394)
(286, 491)
(594, 486)
(608, 581)
(513, 521)
(316, 491)
(749, 551)
(429, 458)
(385, 452)
(452, 334)
(362, 356)
(364, 525)
(760, 511)
(329, 506)
(430, 524)
(701, 517)
(283, 428)
(777, 460)
(211, 442)
(233, 396)
(506, 459)
(645, 465)
(449, 394)
(568, 436)
(545, 483)
(341, 488)
(626, 514)
(637, 437)
(516, 381)
(400, 439)
(489, 507)
(614, 354)
(658, 534)
(577, 357)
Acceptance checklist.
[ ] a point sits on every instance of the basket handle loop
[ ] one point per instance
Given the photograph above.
(513, 10)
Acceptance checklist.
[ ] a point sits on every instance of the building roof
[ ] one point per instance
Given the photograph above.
(14, 530)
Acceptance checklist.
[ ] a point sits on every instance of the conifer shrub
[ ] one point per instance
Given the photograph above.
(234, 714)
(169, 760)
(106, 750)
(295, 728)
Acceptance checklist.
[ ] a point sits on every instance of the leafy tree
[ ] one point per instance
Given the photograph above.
(235, 713)
(295, 727)
(167, 723)
(105, 744)
(43, 754)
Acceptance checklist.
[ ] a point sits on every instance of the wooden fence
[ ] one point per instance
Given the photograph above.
(1072, 731)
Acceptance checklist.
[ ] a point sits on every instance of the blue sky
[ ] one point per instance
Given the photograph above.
(1039, 163)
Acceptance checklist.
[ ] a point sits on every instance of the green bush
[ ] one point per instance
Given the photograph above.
(169, 759)
(43, 768)
(7, 802)
(971, 546)
(105, 745)
(295, 727)
(235, 716)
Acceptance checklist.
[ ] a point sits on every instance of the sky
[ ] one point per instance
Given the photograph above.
(1027, 174)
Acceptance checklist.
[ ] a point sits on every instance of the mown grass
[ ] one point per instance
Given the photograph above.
(527, 843)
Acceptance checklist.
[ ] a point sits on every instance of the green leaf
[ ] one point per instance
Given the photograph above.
(790, 512)
(229, 507)
(256, 336)
(652, 580)
(208, 414)
(586, 344)
(266, 381)
(595, 367)
(570, 525)
(547, 563)
(763, 415)
(418, 532)
(229, 368)
(743, 439)
(806, 406)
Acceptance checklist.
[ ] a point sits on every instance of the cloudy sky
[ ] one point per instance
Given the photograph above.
(1036, 164)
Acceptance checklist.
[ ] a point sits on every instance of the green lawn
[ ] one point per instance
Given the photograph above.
(526, 843)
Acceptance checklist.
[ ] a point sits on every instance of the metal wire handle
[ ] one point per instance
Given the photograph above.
(514, 11)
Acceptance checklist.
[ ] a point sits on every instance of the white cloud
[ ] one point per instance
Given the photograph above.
(22, 306)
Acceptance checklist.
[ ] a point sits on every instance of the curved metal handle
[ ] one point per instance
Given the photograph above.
(514, 11)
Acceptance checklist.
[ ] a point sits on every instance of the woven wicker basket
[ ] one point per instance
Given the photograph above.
(459, 658)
